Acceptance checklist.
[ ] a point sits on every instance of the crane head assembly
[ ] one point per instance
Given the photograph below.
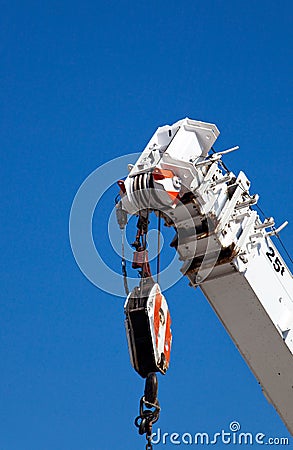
(226, 250)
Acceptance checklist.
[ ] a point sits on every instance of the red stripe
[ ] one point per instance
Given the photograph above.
(168, 338)
(160, 174)
(158, 304)
(173, 194)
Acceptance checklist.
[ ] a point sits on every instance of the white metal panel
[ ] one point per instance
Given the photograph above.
(248, 323)
(189, 145)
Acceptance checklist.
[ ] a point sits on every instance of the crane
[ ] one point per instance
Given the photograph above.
(226, 250)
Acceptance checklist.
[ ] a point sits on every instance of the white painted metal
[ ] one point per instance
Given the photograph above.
(159, 325)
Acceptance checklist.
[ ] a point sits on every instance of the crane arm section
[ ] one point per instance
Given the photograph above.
(225, 248)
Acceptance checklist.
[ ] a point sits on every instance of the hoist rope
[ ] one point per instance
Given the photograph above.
(123, 263)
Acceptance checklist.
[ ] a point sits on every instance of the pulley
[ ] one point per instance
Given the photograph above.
(148, 329)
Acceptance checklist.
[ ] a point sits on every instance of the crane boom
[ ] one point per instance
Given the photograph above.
(225, 248)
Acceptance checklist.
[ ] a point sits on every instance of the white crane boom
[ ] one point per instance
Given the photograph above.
(225, 248)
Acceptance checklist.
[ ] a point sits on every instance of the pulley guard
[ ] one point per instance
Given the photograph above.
(148, 329)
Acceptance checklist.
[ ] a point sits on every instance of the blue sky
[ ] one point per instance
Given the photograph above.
(82, 83)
